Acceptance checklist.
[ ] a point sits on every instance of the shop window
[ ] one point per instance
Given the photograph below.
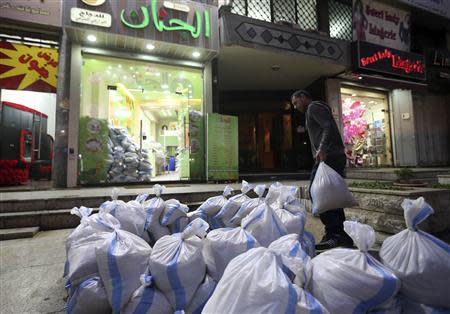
(366, 128)
(140, 122)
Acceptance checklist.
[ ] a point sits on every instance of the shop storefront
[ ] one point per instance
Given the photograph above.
(143, 73)
(28, 84)
(376, 112)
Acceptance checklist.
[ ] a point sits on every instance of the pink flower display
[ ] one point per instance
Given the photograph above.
(354, 124)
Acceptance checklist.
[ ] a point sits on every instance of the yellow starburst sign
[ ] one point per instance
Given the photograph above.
(25, 67)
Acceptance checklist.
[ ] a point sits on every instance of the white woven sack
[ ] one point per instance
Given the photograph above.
(147, 299)
(121, 260)
(421, 261)
(232, 205)
(89, 298)
(352, 281)
(248, 205)
(177, 265)
(224, 244)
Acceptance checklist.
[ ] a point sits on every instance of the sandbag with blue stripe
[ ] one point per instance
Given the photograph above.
(154, 209)
(89, 298)
(263, 223)
(172, 211)
(297, 266)
(247, 206)
(201, 296)
(147, 299)
(81, 262)
(352, 281)
(121, 260)
(110, 207)
(222, 245)
(83, 229)
(177, 264)
(254, 282)
(421, 261)
(211, 207)
(232, 205)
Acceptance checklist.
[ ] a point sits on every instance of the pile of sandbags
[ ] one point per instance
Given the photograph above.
(232, 205)
(264, 265)
(127, 163)
(248, 205)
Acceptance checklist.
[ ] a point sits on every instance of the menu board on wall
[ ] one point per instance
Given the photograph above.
(222, 156)
(381, 24)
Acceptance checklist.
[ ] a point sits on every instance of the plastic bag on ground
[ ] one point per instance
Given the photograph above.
(172, 211)
(177, 264)
(284, 191)
(179, 225)
(224, 244)
(254, 282)
(263, 223)
(201, 296)
(89, 298)
(121, 260)
(420, 261)
(83, 230)
(154, 209)
(147, 299)
(247, 206)
(232, 205)
(329, 190)
(352, 281)
(293, 218)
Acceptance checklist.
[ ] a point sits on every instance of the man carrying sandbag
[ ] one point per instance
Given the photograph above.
(327, 146)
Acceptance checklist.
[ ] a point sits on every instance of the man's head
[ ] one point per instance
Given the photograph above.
(301, 99)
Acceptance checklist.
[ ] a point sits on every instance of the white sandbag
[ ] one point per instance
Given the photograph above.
(213, 204)
(294, 221)
(121, 260)
(254, 282)
(248, 206)
(110, 207)
(172, 211)
(133, 216)
(81, 262)
(177, 265)
(352, 281)
(201, 296)
(224, 244)
(421, 261)
(89, 298)
(329, 191)
(155, 206)
(156, 231)
(232, 205)
(179, 225)
(263, 223)
(283, 191)
(83, 230)
(147, 299)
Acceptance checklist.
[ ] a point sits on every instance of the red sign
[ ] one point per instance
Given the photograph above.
(391, 61)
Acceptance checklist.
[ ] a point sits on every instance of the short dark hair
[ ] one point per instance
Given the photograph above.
(301, 92)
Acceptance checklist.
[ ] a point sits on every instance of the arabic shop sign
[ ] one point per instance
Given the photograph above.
(28, 67)
(158, 17)
(390, 61)
(46, 12)
(89, 17)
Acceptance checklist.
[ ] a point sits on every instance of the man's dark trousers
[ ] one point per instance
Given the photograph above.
(332, 219)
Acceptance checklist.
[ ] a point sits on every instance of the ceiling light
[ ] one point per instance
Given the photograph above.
(196, 54)
(190, 85)
(164, 86)
(170, 74)
(150, 46)
(158, 74)
(131, 68)
(91, 38)
(353, 95)
(109, 67)
(125, 77)
(120, 66)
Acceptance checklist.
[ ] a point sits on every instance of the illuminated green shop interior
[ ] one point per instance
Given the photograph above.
(140, 121)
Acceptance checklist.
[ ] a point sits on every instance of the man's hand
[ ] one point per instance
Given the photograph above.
(321, 156)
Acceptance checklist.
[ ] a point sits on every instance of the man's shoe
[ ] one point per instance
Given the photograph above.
(338, 240)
